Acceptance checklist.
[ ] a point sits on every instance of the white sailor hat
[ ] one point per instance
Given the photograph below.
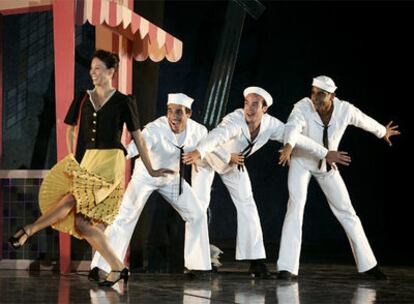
(259, 91)
(180, 99)
(325, 83)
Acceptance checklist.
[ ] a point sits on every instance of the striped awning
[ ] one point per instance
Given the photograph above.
(148, 40)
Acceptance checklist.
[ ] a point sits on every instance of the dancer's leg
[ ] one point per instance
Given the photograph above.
(51, 216)
(98, 240)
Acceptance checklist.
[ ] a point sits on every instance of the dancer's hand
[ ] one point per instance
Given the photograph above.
(190, 158)
(337, 157)
(236, 159)
(285, 153)
(390, 131)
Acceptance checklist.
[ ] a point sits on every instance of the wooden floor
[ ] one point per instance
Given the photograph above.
(316, 283)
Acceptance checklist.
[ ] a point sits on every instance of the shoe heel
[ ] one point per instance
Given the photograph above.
(125, 275)
(15, 240)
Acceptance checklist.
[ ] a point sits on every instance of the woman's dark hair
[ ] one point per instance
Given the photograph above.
(111, 60)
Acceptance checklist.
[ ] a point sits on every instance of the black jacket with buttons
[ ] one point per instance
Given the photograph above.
(102, 129)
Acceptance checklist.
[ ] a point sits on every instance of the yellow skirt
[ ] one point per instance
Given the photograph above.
(96, 184)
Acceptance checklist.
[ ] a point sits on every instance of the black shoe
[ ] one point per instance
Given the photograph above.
(258, 269)
(286, 275)
(93, 274)
(376, 273)
(198, 274)
(14, 241)
(123, 275)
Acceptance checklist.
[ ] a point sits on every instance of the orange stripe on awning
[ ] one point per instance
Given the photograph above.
(148, 40)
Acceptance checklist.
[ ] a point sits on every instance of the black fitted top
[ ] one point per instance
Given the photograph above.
(102, 129)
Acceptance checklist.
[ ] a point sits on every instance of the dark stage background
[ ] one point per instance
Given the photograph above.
(365, 47)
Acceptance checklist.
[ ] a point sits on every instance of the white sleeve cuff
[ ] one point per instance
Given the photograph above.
(132, 150)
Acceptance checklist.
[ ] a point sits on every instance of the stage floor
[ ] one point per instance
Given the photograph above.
(316, 284)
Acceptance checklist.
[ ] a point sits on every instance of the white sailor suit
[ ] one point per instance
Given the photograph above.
(164, 152)
(305, 120)
(232, 136)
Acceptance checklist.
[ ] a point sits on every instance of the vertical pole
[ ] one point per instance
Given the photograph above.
(1, 130)
(224, 63)
(64, 47)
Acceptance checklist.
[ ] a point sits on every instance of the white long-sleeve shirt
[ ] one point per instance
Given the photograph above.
(305, 120)
(232, 136)
(162, 146)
